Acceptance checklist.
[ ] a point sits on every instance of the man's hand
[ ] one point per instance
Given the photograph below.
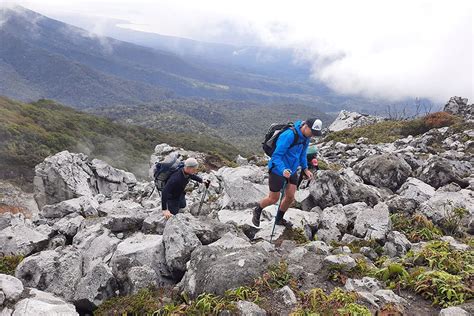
(167, 214)
(287, 173)
(308, 174)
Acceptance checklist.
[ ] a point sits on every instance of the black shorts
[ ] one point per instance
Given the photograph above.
(275, 182)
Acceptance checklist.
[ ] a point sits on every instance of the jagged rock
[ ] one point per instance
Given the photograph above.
(366, 284)
(246, 308)
(384, 171)
(214, 270)
(208, 230)
(438, 172)
(348, 238)
(437, 206)
(67, 175)
(86, 206)
(417, 190)
(329, 188)
(140, 250)
(369, 253)
(155, 223)
(243, 187)
(21, 238)
(286, 296)
(125, 222)
(387, 296)
(241, 161)
(354, 209)
(373, 223)
(68, 226)
(56, 271)
(454, 244)
(344, 262)
(333, 217)
(460, 106)
(397, 244)
(179, 241)
(347, 119)
(453, 311)
(42, 304)
(230, 241)
(329, 234)
(57, 241)
(141, 277)
(95, 287)
(400, 204)
(10, 287)
(97, 245)
(116, 206)
(297, 254)
(319, 247)
(13, 199)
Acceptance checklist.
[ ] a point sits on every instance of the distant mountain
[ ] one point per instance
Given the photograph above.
(31, 132)
(241, 123)
(43, 57)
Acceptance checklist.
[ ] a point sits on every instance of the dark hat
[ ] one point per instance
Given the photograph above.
(316, 125)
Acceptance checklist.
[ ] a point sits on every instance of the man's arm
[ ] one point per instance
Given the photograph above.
(195, 178)
(284, 142)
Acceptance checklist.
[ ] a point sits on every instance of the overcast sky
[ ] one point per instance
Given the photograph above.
(390, 49)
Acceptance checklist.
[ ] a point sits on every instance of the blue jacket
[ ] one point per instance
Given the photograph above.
(285, 157)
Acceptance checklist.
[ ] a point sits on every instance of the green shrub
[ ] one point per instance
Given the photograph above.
(338, 302)
(276, 277)
(442, 288)
(416, 227)
(439, 255)
(144, 302)
(8, 264)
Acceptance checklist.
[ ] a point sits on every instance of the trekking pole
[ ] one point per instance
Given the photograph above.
(278, 207)
(202, 200)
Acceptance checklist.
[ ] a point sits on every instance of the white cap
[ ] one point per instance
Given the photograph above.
(191, 162)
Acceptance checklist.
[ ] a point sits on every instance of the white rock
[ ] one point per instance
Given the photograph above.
(287, 296)
(43, 304)
(453, 311)
(11, 287)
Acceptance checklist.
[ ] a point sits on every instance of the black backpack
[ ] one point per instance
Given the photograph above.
(163, 170)
(271, 137)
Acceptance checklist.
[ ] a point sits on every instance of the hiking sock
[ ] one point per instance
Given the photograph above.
(279, 215)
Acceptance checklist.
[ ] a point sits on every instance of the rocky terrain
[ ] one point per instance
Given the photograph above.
(384, 228)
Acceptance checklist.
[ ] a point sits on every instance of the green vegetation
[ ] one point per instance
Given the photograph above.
(453, 218)
(437, 272)
(442, 288)
(276, 277)
(243, 124)
(145, 301)
(31, 132)
(355, 245)
(8, 264)
(416, 227)
(389, 131)
(296, 234)
(339, 273)
(338, 302)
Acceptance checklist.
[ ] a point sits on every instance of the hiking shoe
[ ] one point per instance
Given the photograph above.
(284, 222)
(256, 216)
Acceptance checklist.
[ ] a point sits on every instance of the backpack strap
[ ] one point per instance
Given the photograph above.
(296, 137)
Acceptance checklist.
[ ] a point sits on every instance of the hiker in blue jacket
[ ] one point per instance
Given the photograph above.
(283, 166)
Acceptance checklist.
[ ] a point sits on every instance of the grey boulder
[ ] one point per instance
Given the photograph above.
(384, 171)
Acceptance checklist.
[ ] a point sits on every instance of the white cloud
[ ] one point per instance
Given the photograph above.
(390, 49)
